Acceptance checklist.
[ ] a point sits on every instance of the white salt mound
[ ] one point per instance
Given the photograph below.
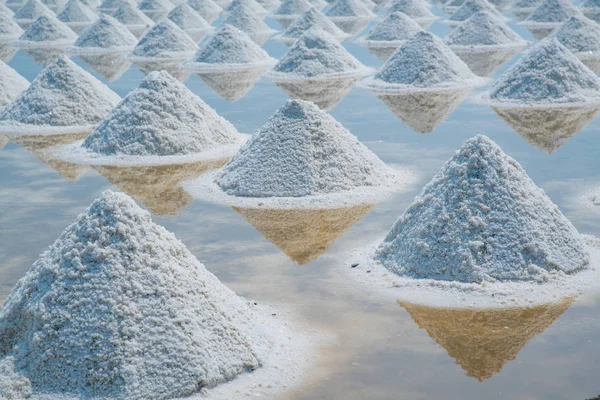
(162, 117)
(422, 62)
(32, 10)
(526, 4)
(164, 40)
(551, 12)
(301, 151)
(253, 5)
(108, 6)
(246, 20)
(130, 16)
(9, 29)
(316, 54)
(482, 29)
(457, 230)
(590, 4)
(208, 9)
(11, 84)
(416, 9)
(312, 18)
(62, 97)
(126, 312)
(580, 35)
(292, 8)
(4, 10)
(106, 34)
(349, 9)
(546, 74)
(46, 31)
(229, 48)
(472, 7)
(155, 5)
(75, 11)
(188, 19)
(393, 30)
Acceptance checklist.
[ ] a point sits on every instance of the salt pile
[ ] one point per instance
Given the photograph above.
(269, 5)
(109, 6)
(3, 141)
(135, 20)
(190, 21)
(14, 5)
(162, 117)
(11, 84)
(9, 29)
(472, 7)
(485, 60)
(177, 331)
(246, 20)
(312, 18)
(63, 98)
(522, 9)
(76, 15)
(4, 10)
(229, 49)
(546, 74)
(451, 6)
(422, 63)
(156, 10)
(591, 9)
(253, 5)
(55, 5)
(416, 9)
(290, 10)
(31, 11)
(46, 32)
(106, 35)
(91, 4)
(316, 55)
(349, 9)
(483, 31)
(581, 36)
(110, 66)
(550, 14)
(164, 41)
(392, 31)
(208, 9)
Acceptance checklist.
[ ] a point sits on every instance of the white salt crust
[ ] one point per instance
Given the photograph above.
(178, 332)
(343, 10)
(155, 5)
(312, 18)
(416, 9)
(106, 35)
(229, 49)
(188, 19)
(46, 32)
(471, 7)
(550, 14)
(31, 11)
(131, 17)
(9, 29)
(548, 75)
(253, 5)
(11, 84)
(581, 36)
(67, 99)
(164, 41)
(316, 55)
(245, 19)
(292, 9)
(75, 12)
(301, 158)
(391, 31)
(208, 9)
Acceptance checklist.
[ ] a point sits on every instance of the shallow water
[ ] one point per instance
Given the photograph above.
(380, 351)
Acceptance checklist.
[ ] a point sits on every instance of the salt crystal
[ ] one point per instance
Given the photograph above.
(46, 32)
(31, 11)
(312, 18)
(550, 14)
(208, 9)
(580, 35)
(9, 29)
(164, 41)
(483, 31)
(391, 31)
(11, 84)
(472, 7)
(347, 9)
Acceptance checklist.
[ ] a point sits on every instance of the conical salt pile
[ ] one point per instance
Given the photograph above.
(269, 5)
(156, 10)
(31, 11)
(11, 84)
(591, 9)
(9, 29)
(208, 9)
(134, 19)
(525, 6)
(422, 62)
(292, 8)
(76, 15)
(109, 6)
(482, 29)
(119, 308)
(394, 29)
(105, 35)
(326, 158)
(229, 48)
(312, 18)
(472, 7)
(316, 54)
(551, 12)
(547, 73)
(580, 35)
(162, 117)
(4, 10)
(246, 20)
(189, 20)
(457, 230)
(46, 32)
(62, 97)
(252, 5)
(349, 9)
(14, 5)
(164, 40)
(416, 9)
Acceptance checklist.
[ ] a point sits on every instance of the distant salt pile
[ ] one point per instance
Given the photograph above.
(46, 32)
(521, 9)
(164, 41)
(252, 5)
(162, 117)
(451, 6)
(550, 13)
(55, 5)
(316, 55)
(392, 31)
(546, 74)
(423, 62)
(483, 31)
(349, 9)
(591, 9)
(472, 7)
(246, 20)
(189, 21)
(4, 10)
(208, 9)
(416, 9)
(63, 98)
(581, 36)
(269, 5)
(176, 331)
(457, 230)
(105, 35)
(11, 84)
(289, 10)
(91, 4)
(312, 18)
(229, 49)
(31, 11)
(76, 15)
(156, 10)
(109, 6)
(14, 5)
(135, 20)
(9, 29)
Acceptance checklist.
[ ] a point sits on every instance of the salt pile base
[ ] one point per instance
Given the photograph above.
(190, 21)
(145, 351)
(581, 36)
(76, 15)
(9, 29)
(46, 32)
(550, 14)
(310, 19)
(324, 93)
(67, 99)
(31, 11)
(11, 84)
(246, 20)
(456, 245)
(208, 9)
(316, 55)
(392, 31)
(283, 166)
(472, 7)
(164, 41)
(135, 20)
(422, 63)
(482, 31)
(229, 50)
(546, 75)
(106, 35)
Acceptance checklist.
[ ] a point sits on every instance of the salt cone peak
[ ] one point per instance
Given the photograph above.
(79, 295)
(483, 29)
(46, 30)
(552, 11)
(111, 5)
(417, 9)
(292, 8)
(395, 27)
(471, 7)
(155, 5)
(246, 19)
(32, 10)
(312, 18)
(107, 34)
(129, 15)
(252, 5)
(457, 230)
(176, 122)
(547, 73)
(301, 151)
(187, 18)
(208, 9)
(164, 40)
(349, 8)
(64, 95)
(580, 35)
(76, 11)
(11, 84)
(9, 29)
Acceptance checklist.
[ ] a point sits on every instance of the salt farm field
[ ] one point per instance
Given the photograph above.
(378, 350)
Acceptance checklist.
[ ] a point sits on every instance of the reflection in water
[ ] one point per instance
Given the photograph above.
(501, 4)
(324, 93)
(424, 111)
(285, 22)
(304, 235)
(540, 33)
(382, 53)
(3, 141)
(485, 63)
(37, 145)
(593, 64)
(521, 15)
(482, 341)
(7, 51)
(232, 86)
(44, 56)
(172, 67)
(158, 187)
(109, 66)
(547, 128)
(353, 26)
